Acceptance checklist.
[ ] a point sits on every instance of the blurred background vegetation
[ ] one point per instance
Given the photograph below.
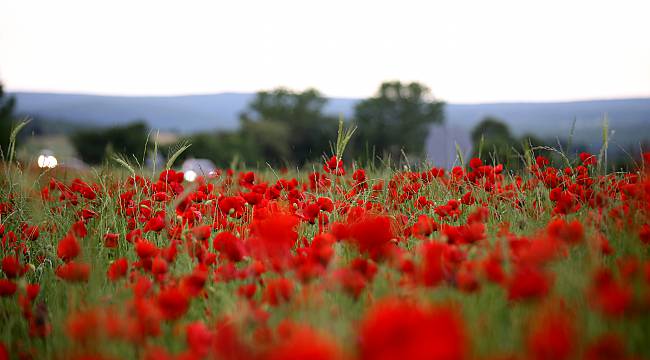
(285, 128)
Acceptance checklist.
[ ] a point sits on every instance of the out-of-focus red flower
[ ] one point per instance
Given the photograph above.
(228, 345)
(118, 269)
(301, 342)
(12, 267)
(30, 232)
(172, 302)
(373, 235)
(79, 229)
(432, 270)
(229, 245)
(74, 272)
(7, 287)
(68, 248)
(145, 249)
(424, 227)
(608, 295)
(570, 232)
(32, 291)
(193, 283)
(202, 232)
(199, 339)
(351, 281)
(4, 353)
(159, 266)
(528, 282)
(155, 224)
(278, 291)
(273, 237)
(110, 240)
(83, 326)
(553, 336)
(644, 234)
(397, 329)
(606, 347)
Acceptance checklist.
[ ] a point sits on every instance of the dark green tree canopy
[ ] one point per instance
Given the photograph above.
(397, 117)
(7, 105)
(493, 142)
(491, 129)
(129, 139)
(289, 126)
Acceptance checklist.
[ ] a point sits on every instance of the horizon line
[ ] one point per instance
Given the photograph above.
(509, 101)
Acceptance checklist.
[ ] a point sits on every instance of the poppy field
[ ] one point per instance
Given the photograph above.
(339, 262)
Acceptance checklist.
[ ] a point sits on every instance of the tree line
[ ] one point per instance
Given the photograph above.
(282, 127)
(290, 128)
(285, 128)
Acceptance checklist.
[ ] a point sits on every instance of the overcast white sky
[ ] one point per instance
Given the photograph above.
(466, 51)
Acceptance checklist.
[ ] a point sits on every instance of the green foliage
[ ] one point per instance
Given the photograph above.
(396, 119)
(492, 129)
(7, 105)
(219, 147)
(92, 145)
(494, 143)
(288, 126)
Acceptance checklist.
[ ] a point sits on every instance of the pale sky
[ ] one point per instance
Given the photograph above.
(465, 51)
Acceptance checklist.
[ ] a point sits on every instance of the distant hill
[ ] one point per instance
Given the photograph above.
(185, 114)
(629, 118)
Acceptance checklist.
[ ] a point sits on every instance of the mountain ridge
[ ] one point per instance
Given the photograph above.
(629, 117)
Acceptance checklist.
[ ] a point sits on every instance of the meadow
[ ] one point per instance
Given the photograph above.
(338, 261)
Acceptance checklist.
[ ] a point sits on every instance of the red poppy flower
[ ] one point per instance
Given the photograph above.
(74, 272)
(373, 235)
(229, 245)
(199, 339)
(278, 291)
(145, 249)
(273, 237)
(79, 229)
(397, 329)
(7, 287)
(608, 295)
(12, 267)
(158, 266)
(155, 224)
(528, 282)
(30, 232)
(118, 269)
(301, 342)
(334, 166)
(68, 248)
(552, 337)
(202, 232)
(172, 302)
(110, 240)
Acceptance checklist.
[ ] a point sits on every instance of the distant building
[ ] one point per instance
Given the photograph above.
(441, 145)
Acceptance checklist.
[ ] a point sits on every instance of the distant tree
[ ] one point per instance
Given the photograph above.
(492, 129)
(492, 141)
(91, 145)
(289, 126)
(397, 118)
(7, 105)
(221, 147)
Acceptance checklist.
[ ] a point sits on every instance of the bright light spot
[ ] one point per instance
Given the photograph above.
(190, 175)
(47, 161)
